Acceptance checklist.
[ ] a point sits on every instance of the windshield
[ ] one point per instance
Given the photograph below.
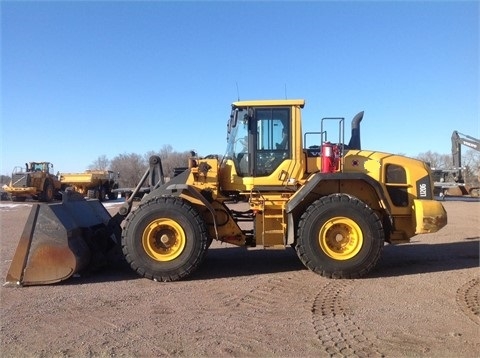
(237, 140)
(38, 167)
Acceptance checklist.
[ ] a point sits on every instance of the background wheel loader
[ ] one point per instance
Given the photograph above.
(334, 203)
(36, 180)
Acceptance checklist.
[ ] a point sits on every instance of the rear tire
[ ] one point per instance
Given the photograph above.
(102, 194)
(339, 236)
(164, 239)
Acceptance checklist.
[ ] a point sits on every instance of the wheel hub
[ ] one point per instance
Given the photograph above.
(163, 239)
(340, 238)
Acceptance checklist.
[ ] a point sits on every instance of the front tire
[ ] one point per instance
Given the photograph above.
(339, 236)
(48, 192)
(165, 239)
(102, 193)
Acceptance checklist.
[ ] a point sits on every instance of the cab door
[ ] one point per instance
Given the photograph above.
(271, 140)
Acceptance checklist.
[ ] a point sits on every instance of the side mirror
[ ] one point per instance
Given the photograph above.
(232, 122)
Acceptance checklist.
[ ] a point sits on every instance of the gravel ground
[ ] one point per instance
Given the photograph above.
(422, 300)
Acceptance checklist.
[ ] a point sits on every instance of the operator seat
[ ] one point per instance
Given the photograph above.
(283, 144)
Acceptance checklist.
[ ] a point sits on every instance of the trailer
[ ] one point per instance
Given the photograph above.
(94, 184)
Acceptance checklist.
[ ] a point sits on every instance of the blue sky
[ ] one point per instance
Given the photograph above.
(81, 79)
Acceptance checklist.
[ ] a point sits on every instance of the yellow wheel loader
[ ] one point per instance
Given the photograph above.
(335, 203)
(36, 180)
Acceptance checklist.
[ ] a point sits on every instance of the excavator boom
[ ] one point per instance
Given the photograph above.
(459, 139)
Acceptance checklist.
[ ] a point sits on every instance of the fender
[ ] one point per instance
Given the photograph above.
(314, 181)
(177, 187)
(316, 178)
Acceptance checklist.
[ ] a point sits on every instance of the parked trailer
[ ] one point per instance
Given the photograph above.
(94, 184)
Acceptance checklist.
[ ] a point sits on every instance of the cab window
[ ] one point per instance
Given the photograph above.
(272, 139)
(396, 180)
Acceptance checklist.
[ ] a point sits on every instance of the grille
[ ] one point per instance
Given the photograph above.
(21, 180)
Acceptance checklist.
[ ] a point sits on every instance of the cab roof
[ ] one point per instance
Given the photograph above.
(270, 103)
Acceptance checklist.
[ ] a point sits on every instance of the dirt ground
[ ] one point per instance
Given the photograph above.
(422, 300)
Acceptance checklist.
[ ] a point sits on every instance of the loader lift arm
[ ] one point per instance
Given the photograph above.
(155, 177)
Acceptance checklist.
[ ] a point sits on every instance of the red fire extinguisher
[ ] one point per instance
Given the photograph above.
(330, 157)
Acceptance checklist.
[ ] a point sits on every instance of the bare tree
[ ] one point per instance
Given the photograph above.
(171, 159)
(437, 161)
(5, 179)
(101, 163)
(130, 167)
(470, 165)
(471, 162)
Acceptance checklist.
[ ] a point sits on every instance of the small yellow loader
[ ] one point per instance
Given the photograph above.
(36, 180)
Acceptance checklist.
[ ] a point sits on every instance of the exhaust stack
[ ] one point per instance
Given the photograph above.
(355, 138)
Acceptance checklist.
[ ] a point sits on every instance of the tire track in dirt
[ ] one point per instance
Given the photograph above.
(334, 330)
(334, 325)
(468, 299)
(118, 338)
(79, 325)
(73, 331)
(112, 338)
(250, 311)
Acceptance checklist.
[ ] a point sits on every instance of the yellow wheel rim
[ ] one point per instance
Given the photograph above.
(163, 240)
(340, 238)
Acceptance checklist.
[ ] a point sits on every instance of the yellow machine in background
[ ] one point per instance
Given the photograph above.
(94, 184)
(452, 181)
(35, 180)
(335, 203)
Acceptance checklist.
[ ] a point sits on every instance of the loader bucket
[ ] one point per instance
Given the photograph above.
(60, 240)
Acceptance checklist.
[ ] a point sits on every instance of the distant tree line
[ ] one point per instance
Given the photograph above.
(4, 179)
(132, 166)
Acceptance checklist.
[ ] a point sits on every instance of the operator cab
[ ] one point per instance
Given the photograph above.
(38, 167)
(259, 140)
(265, 147)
